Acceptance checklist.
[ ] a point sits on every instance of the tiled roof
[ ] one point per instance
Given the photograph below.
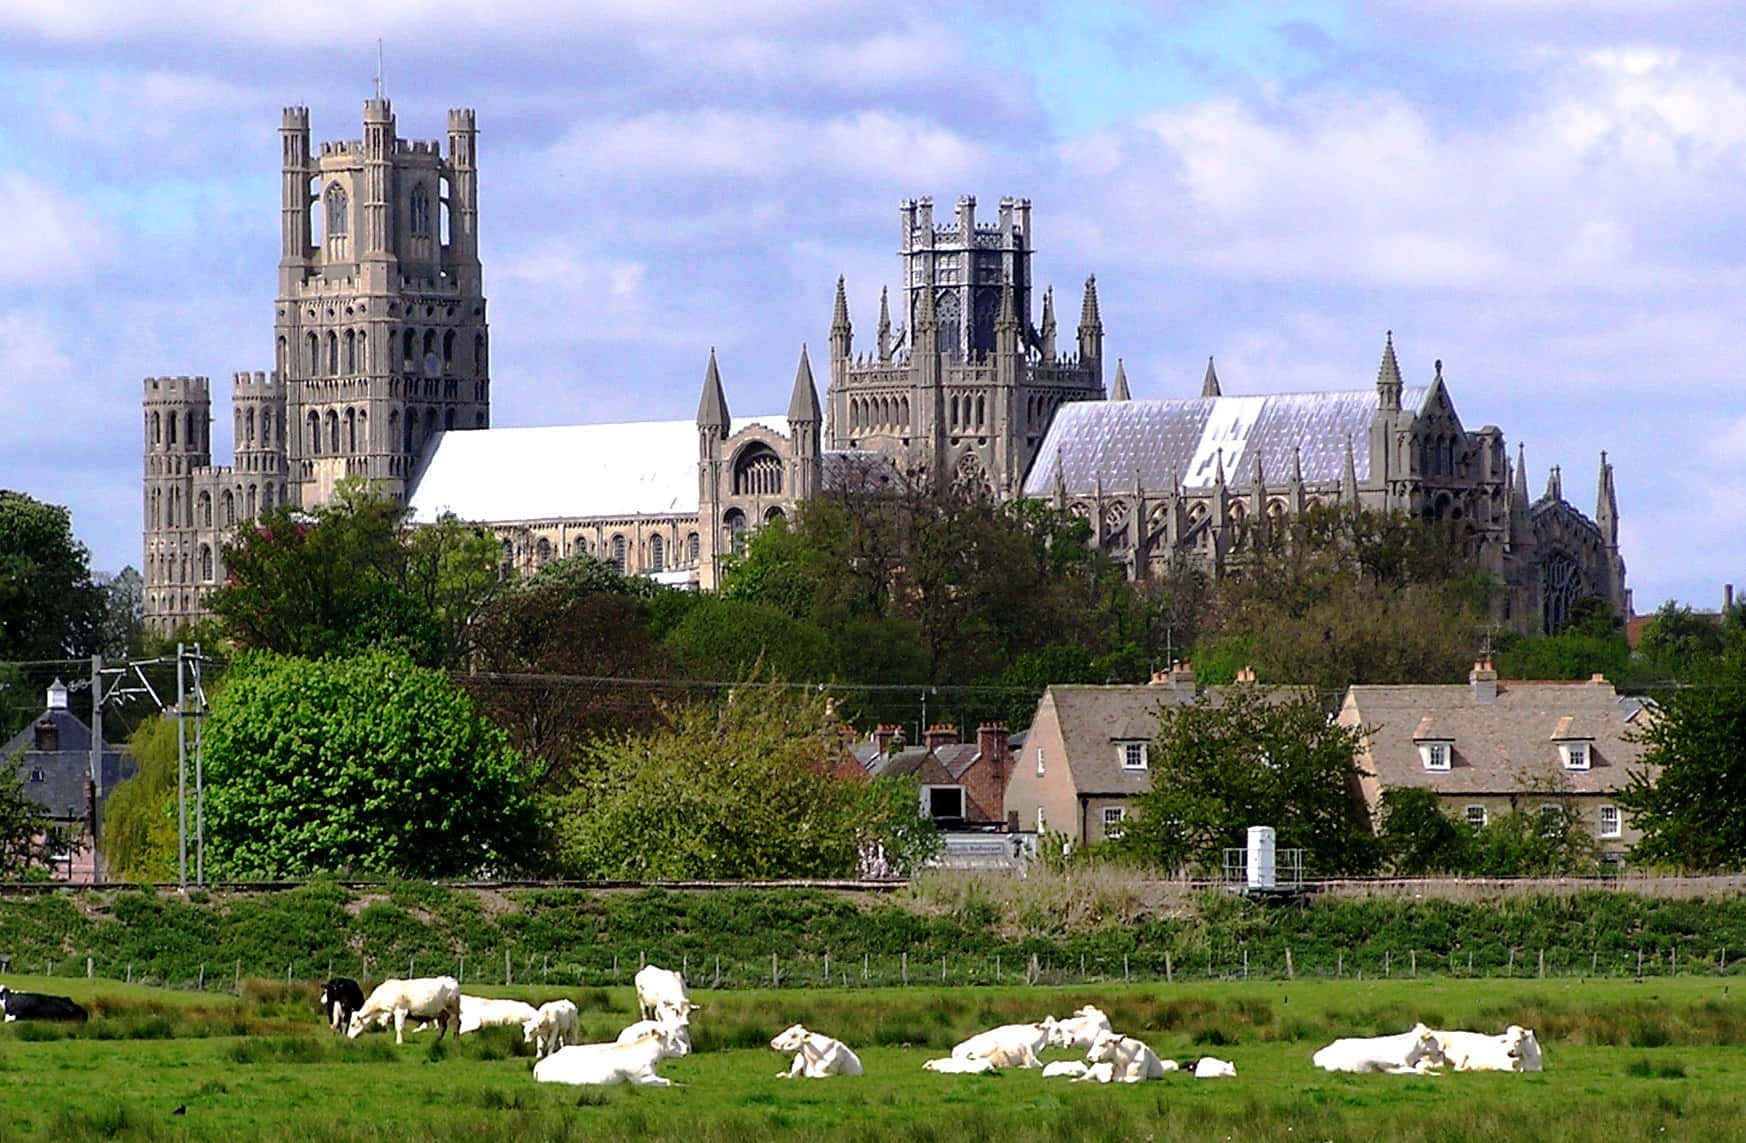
(1185, 440)
(1506, 746)
(64, 770)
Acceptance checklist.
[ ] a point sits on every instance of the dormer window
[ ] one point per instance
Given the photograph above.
(1575, 755)
(1133, 755)
(1436, 754)
(1039, 761)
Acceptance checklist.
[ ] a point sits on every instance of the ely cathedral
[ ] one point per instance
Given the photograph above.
(382, 372)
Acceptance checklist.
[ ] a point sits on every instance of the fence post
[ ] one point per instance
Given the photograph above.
(1510, 968)
(201, 987)
(130, 972)
(1414, 955)
(685, 964)
(1169, 974)
(864, 961)
(236, 986)
(1339, 963)
(1722, 961)
(411, 961)
(906, 969)
(827, 967)
(1082, 968)
(1125, 968)
(942, 969)
(506, 967)
(1542, 964)
(1639, 964)
(1245, 964)
(1593, 961)
(1387, 969)
(287, 974)
(615, 966)
(997, 968)
(1673, 961)
(1289, 974)
(463, 974)
(717, 982)
(775, 975)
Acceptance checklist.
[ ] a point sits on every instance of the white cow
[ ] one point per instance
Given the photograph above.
(1211, 1067)
(1073, 1068)
(1516, 1050)
(1010, 1045)
(435, 998)
(1079, 1030)
(1408, 1053)
(1123, 1059)
(553, 1025)
(489, 1012)
(661, 995)
(816, 1055)
(680, 1030)
(961, 1066)
(634, 1062)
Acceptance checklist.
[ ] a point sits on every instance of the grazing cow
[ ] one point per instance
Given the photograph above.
(1123, 1059)
(489, 1012)
(553, 1025)
(340, 997)
(1010, 1045)
(39, 1006)
(815, 1055)
(1080, 1029)
(680, 1029)
(1516, 1050)
(1211, 1067)
(661, 995)
(634, 1062)
(961, 1066)
(435, 998)
(1406, 1054)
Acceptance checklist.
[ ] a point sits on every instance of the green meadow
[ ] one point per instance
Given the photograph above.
(1663, 1059)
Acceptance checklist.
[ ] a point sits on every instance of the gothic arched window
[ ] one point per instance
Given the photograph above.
(157, 429)
(694, 547)
(420, 210)
(351, 430)
(333, 360)
(206, 562)
(314, 431)
(336, 210)
(618, 554)
(735, 524)
(227, 508)
(758, 472)
(951, 321)
(333, 432)
(204, 506)
(542, 552)
(249, 503)
(351, 352)
(657, 554)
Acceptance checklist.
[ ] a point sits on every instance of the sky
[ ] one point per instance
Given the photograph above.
(1544, 195)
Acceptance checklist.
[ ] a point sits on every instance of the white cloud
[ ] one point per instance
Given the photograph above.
(51, 235)
(1727, 446)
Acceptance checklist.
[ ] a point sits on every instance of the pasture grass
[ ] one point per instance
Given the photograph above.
(1626, 1061)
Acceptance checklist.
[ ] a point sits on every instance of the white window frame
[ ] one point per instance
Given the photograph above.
(1617, 828)
(1437, 755)
(1576, 754)
(1124, 748)
(1120, 815)
(1469, 816)
(927, 802)
(1042, 821)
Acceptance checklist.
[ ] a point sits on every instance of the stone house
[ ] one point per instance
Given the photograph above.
(963, 784)
(1493, 747)
(52, 758)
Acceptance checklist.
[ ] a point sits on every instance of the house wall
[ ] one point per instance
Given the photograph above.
(1587, 807)
(1053, 791)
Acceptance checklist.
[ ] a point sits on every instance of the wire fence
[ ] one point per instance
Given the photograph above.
(925, 969)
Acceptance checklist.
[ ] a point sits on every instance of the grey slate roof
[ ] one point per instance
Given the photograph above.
(1184, 439)
(64, 771)
(1503, 747)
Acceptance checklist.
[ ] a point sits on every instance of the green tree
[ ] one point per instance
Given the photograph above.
(122, 630)
(369, 764)
(27, 841)
(49, 608)
(1534, 843)
(1592, 642)
(350, 575)
(139, 816)
(1249, 757)
(730, 638)
(743, 789)
(1678, 643)
(1689, 796)
(1416, 837)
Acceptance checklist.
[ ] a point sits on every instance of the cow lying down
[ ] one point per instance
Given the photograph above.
(816, 1055)
(1010, 1045)
(1409, 1053)
(599, 1064)
(1122, 1059)
(1516, 1050)
(961, 1066)
(39, 1006)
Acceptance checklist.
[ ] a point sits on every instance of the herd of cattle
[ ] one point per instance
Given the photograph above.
(664, 1033)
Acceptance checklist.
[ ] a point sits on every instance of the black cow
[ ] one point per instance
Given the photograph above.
(340, 997)
(39, 1006)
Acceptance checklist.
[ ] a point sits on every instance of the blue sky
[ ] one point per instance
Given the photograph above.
(1543, 194)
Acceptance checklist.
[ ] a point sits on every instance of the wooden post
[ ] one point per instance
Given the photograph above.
(906, 970)
(997, 968)
(1340, 963)
(827, 966)
(1245, 963)
(1386, 968)
(1639, 964)
(942, 969)
(1593, 961)
(775, 973)
(1414, 955)
(236, 987)
(1169, 974)
(1542, 964)
(1510, 968)
(201, 987)
(1290, 974)
(717, 982)
(90, 969)
(506, 976)
(1125, 977)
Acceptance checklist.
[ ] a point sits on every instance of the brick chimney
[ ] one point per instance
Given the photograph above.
(985, 782)
(939, 734)
(1182, 678)
(885, 735)
(1246, 675)
(1483, 681)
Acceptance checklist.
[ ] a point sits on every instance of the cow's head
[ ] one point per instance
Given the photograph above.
(790, 1039)
(1524, 1048)
(1426, 1049)
(675, 1040)
(5, 994)
(1104, 1048)
(357, 1025)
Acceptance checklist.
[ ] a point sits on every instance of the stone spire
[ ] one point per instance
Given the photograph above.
(840, 316)
(1349, 480)
(1606, 505)
(803, 402)
(1119, 391)
(1090, 325)
(1297, 464)
(1516, 504)
(712, 411)
(1048, 330)
(1060, 484)
(1388, 383)
(1554, 484)
(884, 323)
(1209, 385)
(1007, 318)
(1257, 490)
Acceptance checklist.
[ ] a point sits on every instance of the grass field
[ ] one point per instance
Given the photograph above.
(1659, 1060)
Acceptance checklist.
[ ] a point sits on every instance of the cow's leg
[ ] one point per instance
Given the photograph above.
(400, 1025)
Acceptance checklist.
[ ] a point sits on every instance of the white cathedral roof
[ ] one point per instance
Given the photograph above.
(1183, 440)
(644, 468)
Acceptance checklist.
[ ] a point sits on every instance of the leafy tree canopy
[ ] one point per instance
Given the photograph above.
(1248, 757)
(1689, 797)
(741, 790)
(349, 575)
(27, 841)
(49, 608)
(369, 764)
(1418, 837)
(139, 816)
